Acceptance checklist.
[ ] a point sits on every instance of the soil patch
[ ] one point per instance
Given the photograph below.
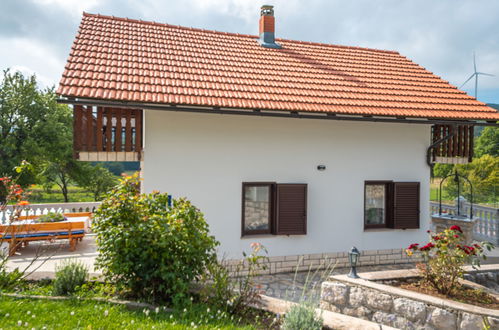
(464, 295)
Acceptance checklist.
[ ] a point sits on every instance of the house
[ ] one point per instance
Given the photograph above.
(307, 148)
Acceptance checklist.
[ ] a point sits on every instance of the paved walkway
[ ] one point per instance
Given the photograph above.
(48, 255)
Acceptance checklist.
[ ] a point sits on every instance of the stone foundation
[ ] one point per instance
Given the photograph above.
(401, 308)
(305, 262)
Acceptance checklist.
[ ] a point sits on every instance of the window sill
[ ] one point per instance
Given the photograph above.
(387, 229)
(269, 235)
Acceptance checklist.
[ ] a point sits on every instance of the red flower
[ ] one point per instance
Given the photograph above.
(23, 203)
(428, 231)
(456, 228)
(456, 236)
(413, 246)
(436, 238)
(427, 247)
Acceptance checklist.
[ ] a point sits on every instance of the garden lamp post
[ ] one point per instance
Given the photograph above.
(353, 257)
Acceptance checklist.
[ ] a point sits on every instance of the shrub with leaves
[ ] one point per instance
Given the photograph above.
(51, 217)
(233, 288)
(444, 257)
(149, 249)
(69, 276)
(302, 316)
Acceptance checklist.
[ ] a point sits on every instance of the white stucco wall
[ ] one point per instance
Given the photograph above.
(206, 158)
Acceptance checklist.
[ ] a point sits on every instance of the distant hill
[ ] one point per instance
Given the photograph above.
(495, 106)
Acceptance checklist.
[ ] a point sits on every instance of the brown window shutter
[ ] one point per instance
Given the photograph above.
(406, 205)
(291, 210)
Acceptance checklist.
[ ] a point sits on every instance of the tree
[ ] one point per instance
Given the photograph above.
(442, 170)
(483, 173)
(488, 142)
(22, 117)
(98, 180)
(34, 127)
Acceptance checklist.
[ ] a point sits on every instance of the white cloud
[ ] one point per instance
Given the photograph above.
(74, 7)
(30, 57)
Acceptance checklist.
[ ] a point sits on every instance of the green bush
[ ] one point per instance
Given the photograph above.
(302, 317)
(68, 277)
(51, 217)
(152, 251)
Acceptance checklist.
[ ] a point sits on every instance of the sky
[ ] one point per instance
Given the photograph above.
(36, 35)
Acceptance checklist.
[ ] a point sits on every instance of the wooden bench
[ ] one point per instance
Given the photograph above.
(21, 233)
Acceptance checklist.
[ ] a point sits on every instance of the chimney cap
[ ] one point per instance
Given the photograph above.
(267, 10)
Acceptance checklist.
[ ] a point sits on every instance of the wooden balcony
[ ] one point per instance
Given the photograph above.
(107, 134)
(456, 150)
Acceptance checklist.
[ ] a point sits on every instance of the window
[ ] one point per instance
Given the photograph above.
(257, 208)
(375, 208)
(272, 208)
(390, 204)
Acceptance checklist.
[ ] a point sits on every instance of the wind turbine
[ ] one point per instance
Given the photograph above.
(476, 74)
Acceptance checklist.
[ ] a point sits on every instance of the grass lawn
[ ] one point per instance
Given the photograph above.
(54, 195)
(78, 314)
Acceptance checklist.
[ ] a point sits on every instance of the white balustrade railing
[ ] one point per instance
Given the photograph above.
(39, 209)
(486, 226)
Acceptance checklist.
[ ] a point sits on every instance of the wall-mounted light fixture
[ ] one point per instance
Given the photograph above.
(321, 167)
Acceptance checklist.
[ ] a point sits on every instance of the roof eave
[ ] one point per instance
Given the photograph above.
(274, 113)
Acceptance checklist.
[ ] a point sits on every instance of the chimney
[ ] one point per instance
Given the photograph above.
(267, 27)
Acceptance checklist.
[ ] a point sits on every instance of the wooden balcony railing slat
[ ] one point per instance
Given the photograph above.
(109, 129)
(128, 131)
(99, 129)
(118, 133)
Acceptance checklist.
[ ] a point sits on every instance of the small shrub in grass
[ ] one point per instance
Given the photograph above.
(150, 250)
(302, 317)
(234, 290)
(68, 277)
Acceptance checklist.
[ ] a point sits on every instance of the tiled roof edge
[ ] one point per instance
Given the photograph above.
(238, 34)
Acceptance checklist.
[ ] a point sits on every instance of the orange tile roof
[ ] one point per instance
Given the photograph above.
(120, 59)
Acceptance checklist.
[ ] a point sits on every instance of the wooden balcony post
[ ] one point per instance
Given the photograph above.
(77, 120)
(90, 128)
(138, 130)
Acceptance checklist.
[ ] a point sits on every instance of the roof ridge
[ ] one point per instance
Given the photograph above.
(312, 43)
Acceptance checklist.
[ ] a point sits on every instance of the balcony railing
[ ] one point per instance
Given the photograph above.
(456, 150)
(107, 134)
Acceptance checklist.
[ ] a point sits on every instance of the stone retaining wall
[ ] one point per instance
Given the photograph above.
(487, 278)
(401, 308)
(304, 262)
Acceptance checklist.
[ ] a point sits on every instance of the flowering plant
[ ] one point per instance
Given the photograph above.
(12, 193)
(444, 257)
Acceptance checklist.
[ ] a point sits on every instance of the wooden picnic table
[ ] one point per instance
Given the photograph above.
(20, 233)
